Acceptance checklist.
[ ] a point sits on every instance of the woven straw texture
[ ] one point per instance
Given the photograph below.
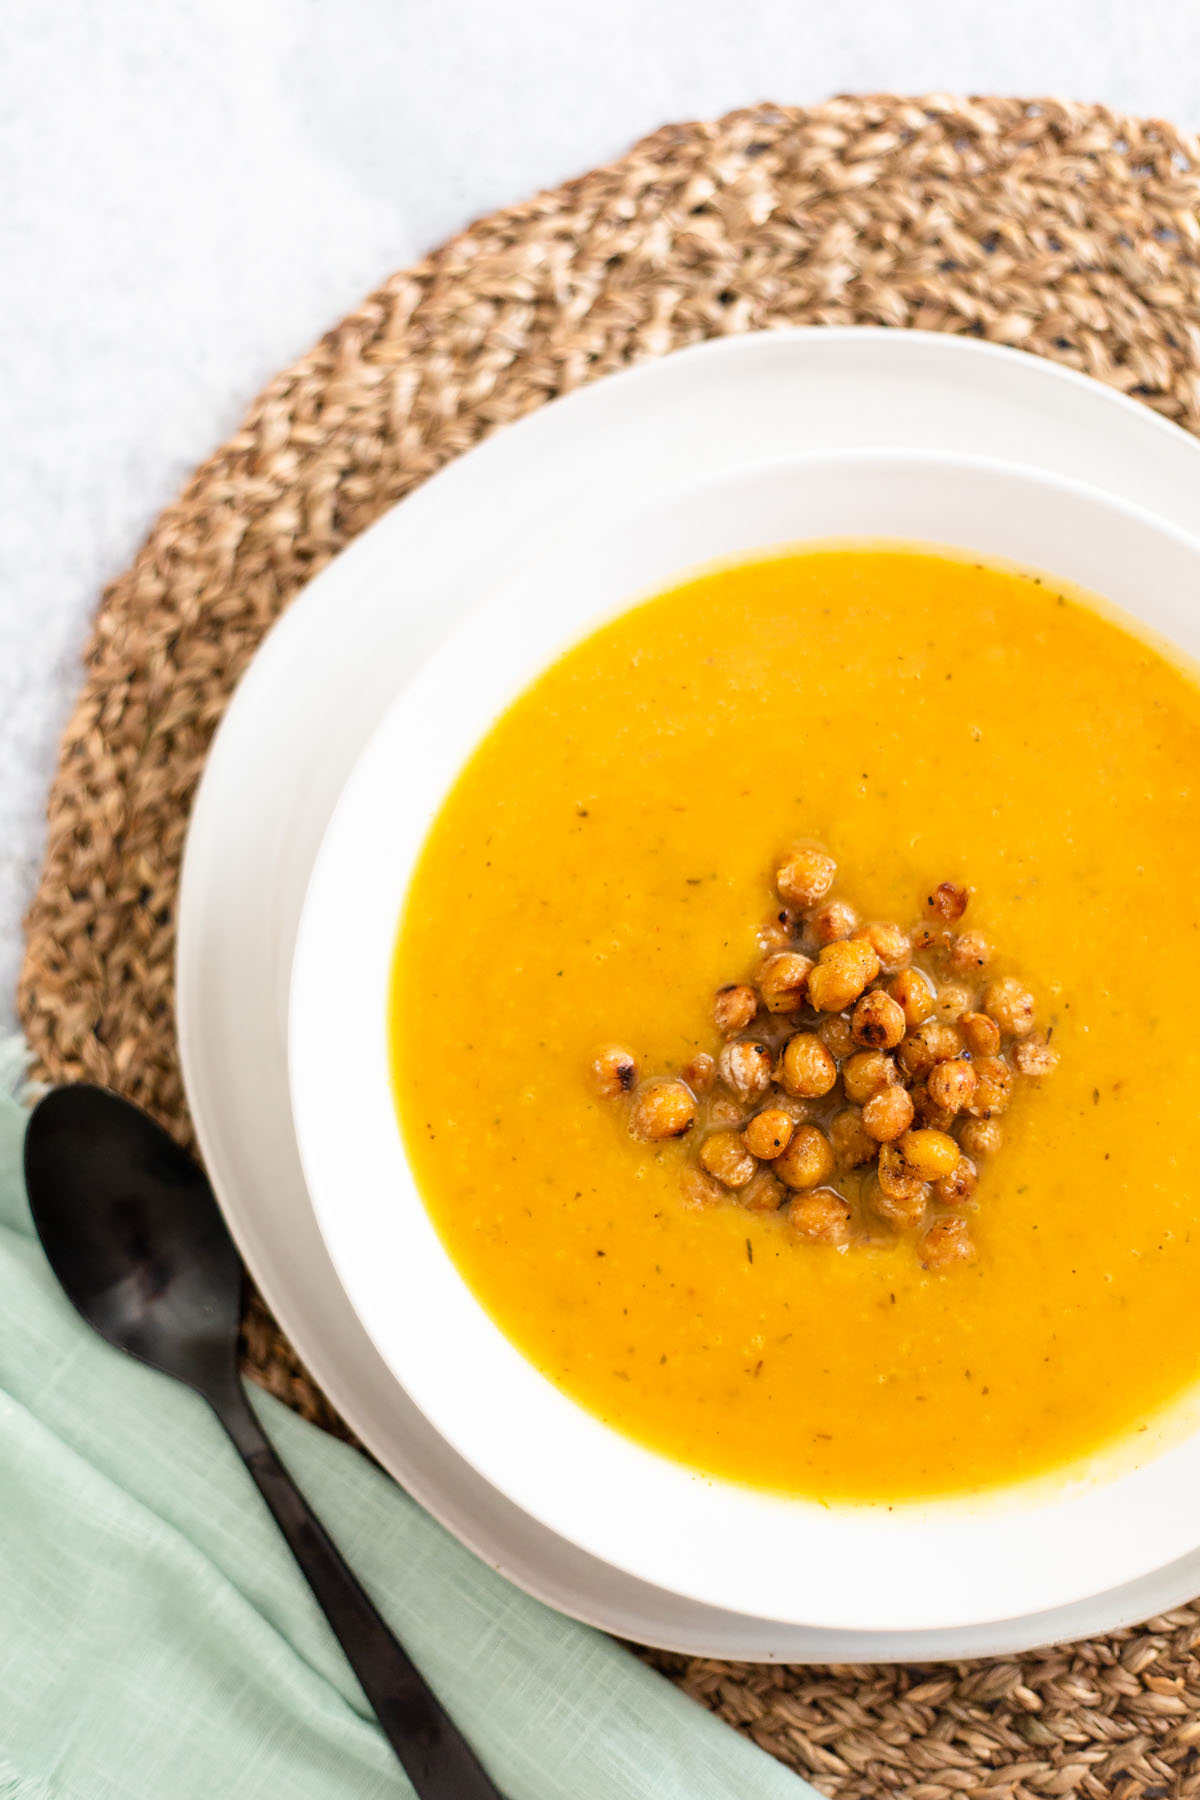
(1058, 228)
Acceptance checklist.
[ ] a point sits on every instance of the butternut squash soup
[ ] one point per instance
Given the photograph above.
(612, 858)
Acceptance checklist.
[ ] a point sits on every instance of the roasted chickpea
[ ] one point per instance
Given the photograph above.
(724, 1155)
(929, 1154)
(778, 930)
(837, 1037)
(952, 1002)
(947, 1241)
(865, 1073)
(951, 1085)
(733, 1008)
(878, 1021)
(745, 1067)
(806, 876)
(896, 1196)
(769, 1133)
(834, 920)
(724, 1111)
(903, 1212)
(700, 1072)
(1011, 1005)
(981, 1138)
(968, 953)
(914, 1057)
(993, 1089)
(887, 1114)
(763, 1194)
(807, 1161)
(806, 1068)
(896, 1179)
(614, 1072)
(699, 1189)
(942, 1040)
(799, 1111)
(852, 1142)
(931, 1043)
(981, 1033)
(662, 1109)
(782, 980)
(821, 1218)
(890, 944)
(930, 940)
(845, 970)
(956, 1188)
(926, 1110)
(913, 995)
(1035, 1057)
(947, 901)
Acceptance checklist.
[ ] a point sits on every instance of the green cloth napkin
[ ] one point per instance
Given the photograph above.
(157, 1642)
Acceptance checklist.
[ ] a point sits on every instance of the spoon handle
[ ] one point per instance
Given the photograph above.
(433, 1752)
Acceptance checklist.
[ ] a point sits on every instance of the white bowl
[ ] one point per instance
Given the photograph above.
(912, 1567)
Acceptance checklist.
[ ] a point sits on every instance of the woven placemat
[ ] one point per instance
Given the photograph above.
(1058, 228)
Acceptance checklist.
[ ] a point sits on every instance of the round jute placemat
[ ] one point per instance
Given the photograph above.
(1059, 228)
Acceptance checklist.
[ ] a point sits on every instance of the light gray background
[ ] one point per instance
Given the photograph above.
(190, 192)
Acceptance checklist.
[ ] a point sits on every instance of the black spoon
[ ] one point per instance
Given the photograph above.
(134, 1234)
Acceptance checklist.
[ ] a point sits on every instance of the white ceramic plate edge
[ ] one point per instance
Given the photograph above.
(1066, 421)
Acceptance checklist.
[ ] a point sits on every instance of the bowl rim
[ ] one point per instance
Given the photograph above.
(319, 1074)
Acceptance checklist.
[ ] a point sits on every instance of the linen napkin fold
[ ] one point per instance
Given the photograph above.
(157, 1642)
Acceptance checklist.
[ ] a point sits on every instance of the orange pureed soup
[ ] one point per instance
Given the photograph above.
(598, 870)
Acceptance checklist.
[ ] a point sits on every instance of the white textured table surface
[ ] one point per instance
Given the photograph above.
(190, 193)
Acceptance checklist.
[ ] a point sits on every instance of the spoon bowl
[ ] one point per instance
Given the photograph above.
(139, 1246)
